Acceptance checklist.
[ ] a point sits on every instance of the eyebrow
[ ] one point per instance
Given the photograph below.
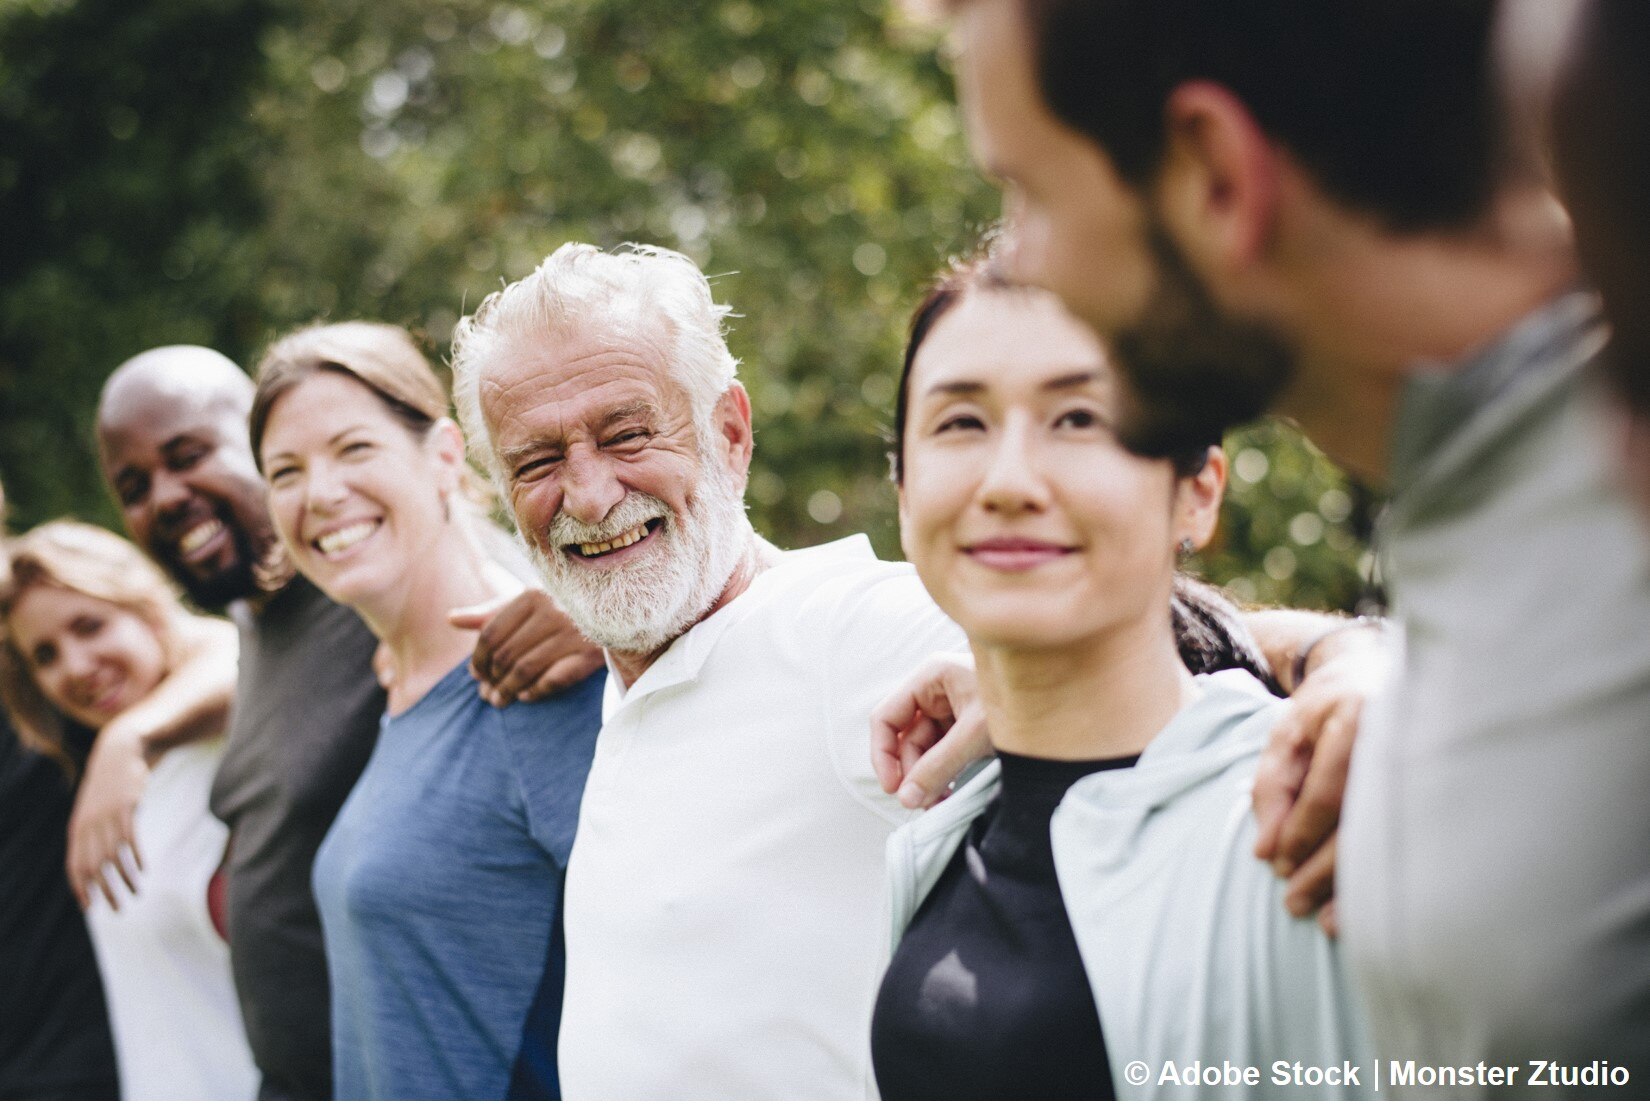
(344, 434)
(627, 411)
(341, 435)
(967, 387)
(187, 435)
(514, 455)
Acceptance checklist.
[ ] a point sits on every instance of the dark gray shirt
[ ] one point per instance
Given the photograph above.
(306, 715)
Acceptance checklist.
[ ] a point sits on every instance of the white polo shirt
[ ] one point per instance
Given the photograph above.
(725, 910)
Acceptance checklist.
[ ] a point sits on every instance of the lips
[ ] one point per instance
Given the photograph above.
(1016, 554)
(618, 542)
(102, 694)
(199, 536)
(200, 542)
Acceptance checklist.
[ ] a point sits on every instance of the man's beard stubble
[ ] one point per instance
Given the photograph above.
(1193, 371)
(237, 581)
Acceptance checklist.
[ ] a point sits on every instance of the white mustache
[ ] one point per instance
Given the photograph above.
(634, 510)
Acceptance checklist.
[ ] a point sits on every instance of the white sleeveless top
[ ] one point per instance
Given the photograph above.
(172, 1005)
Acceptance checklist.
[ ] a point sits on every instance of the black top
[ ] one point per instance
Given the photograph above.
(986, 997)
(306, 717)
(54, 1026)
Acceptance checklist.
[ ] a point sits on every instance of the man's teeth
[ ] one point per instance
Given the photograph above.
(332, 542)
(591, 549)
(197, 536)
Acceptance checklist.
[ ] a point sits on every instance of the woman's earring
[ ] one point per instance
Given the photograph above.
(1185, 549)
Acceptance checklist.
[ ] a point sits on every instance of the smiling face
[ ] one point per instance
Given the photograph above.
(180, 466)
(92, 659)
(356, 498)
(1027, 520)
(633, 511)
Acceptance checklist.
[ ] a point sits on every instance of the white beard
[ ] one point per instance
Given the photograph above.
(643, 605)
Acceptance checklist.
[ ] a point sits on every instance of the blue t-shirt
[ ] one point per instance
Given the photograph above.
(440, 893)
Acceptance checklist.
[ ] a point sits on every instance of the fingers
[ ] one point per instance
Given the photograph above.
(532, 669)
(1329, 920)
(1313, 883)
(529, 650)
(890, 720)
(1318, 809)
(564, 673)
(128, 840)
(928, 730)
(894, 744)
(102, 867)
(108, 893)
(500, 623)
(1278, 780)
(929, 778)
(474, 618)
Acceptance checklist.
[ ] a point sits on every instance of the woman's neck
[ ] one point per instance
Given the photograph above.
(1106, 698)
(422, 645)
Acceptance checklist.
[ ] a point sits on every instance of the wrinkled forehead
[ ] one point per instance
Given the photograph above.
(576, 375)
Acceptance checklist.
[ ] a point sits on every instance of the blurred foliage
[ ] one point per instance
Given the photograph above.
(219, 171)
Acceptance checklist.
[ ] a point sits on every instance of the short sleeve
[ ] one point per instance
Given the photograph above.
(551, 744)
(882, 628)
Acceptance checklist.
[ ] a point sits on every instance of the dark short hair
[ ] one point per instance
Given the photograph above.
(1390, 104)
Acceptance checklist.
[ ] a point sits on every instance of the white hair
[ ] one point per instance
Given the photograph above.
(579, 288)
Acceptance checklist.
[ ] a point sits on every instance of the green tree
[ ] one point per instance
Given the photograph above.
(219, 171)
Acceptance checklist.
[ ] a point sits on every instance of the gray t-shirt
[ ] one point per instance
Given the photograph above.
(306, 715)
(1495, 852)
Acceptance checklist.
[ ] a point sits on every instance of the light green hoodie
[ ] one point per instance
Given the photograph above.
(1193, 961)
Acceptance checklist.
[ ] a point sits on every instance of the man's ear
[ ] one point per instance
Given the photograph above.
(1217, 189)
(732, 419)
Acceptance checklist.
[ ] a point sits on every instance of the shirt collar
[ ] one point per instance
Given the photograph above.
(1439, 398)
(683, 660)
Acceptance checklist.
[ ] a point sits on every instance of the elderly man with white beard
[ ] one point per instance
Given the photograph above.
(723, 909)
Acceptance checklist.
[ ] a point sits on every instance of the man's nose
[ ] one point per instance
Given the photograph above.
(589, 488)
(169, 494)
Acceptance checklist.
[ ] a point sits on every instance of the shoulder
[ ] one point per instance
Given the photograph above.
(571, 718)
(843, 588)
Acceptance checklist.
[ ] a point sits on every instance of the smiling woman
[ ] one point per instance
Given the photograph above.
(439, 882)
(1065, 911)
(91, 627)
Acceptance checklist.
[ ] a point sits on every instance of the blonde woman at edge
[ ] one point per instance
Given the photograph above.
(92, 627)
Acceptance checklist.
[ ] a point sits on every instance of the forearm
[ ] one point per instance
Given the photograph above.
(194, 700)
(1296, 642)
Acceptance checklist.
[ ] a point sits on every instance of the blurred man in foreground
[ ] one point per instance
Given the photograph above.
(1313, 208)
